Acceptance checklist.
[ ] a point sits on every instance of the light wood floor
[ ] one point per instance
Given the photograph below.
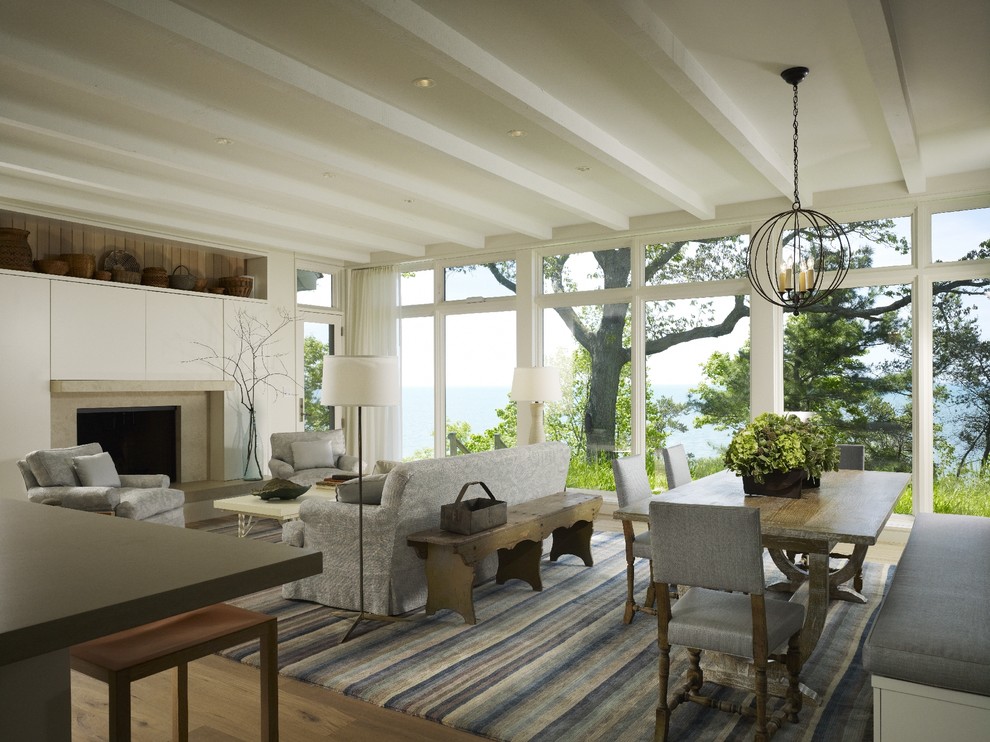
(224, 700)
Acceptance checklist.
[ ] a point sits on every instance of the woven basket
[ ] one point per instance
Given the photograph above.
(102, 275)
(183, 281)
(51, 267)
(80, 264)
(15, 252)
(154, 276)
(121, 276)
(200, 284)
(237, 285)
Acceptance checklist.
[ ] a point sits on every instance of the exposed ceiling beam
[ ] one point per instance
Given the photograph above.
(142, 151)
(86, 174)
(127, 92)
(876, 33)
(653, 40)
(31, 191)
(487, 73)
(277, 66)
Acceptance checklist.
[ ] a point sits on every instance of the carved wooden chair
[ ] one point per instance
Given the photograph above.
(675, 464)
(717, 551)
(632, 483)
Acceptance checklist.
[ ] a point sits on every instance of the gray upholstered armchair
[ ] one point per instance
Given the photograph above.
(85, 478)
(310, 456)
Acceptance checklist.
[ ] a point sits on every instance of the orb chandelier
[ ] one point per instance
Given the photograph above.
(799, 257)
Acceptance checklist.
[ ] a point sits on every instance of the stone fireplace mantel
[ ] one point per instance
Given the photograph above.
(102, 386)
(200, 419)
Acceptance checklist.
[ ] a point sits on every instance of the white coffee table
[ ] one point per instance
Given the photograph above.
(251, 507)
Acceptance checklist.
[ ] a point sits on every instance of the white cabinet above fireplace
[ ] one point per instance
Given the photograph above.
(98, 331)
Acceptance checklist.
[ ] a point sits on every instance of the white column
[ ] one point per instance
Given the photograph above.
(766, 381)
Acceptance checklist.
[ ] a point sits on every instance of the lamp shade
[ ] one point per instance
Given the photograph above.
(540, 384)
(361, 381)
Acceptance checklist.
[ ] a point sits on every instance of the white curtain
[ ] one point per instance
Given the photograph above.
(371, 328)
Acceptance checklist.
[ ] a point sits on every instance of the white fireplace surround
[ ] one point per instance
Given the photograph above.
(201, 415)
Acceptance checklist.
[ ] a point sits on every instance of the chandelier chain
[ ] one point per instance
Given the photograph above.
(797, 198)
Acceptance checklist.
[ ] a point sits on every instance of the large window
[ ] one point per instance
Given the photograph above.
(654, 340)
(480, 281)
(697, 377)
(318, 341)
(590, 346)
(848, 360)
(961, 235)
(481, 355)
(961, 363)
(418, 394)
(586, 271)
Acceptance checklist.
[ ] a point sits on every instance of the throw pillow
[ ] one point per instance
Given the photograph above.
(384, 466)
(97, 470)
(313, 455)
(53, 467)
(373, 486)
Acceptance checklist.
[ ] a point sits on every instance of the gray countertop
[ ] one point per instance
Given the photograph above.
(68, 576)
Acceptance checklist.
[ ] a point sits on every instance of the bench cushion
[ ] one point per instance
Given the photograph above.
(933, 628)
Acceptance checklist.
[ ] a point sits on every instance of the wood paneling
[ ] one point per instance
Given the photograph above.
(50, 238)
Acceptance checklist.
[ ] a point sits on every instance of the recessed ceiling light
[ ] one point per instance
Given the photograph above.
(222, 140)
(408, 200)
(328, 175)
(516, 133)
(583, 168)
(424, 82)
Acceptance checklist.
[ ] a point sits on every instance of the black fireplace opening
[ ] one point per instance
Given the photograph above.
(140, 440)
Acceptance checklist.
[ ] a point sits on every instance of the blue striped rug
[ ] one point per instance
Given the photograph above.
(554, 665)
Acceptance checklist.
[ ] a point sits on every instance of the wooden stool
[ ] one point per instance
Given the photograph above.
(121, 658)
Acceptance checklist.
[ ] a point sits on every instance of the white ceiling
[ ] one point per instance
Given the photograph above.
(111, 112)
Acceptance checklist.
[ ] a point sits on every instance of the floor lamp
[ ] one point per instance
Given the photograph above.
(536, 386)
(361, 381)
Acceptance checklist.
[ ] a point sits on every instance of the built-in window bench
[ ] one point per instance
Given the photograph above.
(929, 649)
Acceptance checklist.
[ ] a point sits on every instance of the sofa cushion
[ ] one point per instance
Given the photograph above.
(144, 504)
(96, 470)
(313, 455)
(372, 490)
(932, 628)
(53, 467)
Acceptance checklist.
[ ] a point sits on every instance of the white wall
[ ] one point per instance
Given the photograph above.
(25, 360)
(64, 328)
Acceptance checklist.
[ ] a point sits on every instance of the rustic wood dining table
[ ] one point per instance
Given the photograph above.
(850, 507)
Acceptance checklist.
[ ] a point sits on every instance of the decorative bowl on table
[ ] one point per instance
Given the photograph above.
(280, 489)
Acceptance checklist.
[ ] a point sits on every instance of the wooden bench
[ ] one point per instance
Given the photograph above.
(121, 658)
(451, 557)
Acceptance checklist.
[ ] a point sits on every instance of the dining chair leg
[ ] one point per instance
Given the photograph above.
(662, 728)
(760, 689)
(651, 591)
(630, 611)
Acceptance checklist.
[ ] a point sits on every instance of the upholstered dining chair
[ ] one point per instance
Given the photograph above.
(632, 483)
(675, 464)
(852, 456)
(717, 551)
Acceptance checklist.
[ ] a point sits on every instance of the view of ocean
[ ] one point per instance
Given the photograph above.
(477, 405)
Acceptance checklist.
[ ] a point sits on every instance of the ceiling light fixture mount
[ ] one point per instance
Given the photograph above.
(798, 257)
(424, 82)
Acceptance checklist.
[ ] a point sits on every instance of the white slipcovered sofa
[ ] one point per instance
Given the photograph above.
(412, 493)
(321, 452)
(54, 477)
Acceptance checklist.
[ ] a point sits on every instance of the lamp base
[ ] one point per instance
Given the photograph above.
(536, 432)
